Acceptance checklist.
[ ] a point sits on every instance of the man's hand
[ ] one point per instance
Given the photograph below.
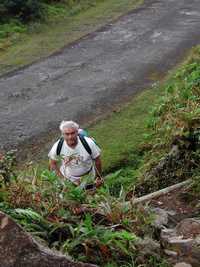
(54, 167)
(99, 181)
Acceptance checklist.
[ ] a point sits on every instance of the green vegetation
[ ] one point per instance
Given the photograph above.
(99, 227)
(150, 131)
(175, 122)
(122, 134)
(101, 230)
(60, 23)
(20, 9)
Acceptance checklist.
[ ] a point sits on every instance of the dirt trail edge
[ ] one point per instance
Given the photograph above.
(104, 69)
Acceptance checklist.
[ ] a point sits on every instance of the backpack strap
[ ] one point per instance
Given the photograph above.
(85, 144)
(59, 147)
(83, 141)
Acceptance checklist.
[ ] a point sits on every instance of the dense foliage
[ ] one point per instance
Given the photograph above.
(26, 16)
(21, 9)
(176, 123)
(98, 227)
(28, 10)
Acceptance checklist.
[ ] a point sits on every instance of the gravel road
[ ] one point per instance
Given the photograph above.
(104, 69)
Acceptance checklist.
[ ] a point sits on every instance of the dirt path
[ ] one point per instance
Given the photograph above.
(104, 69)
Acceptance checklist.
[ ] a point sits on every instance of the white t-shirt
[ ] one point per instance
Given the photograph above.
(75, 161)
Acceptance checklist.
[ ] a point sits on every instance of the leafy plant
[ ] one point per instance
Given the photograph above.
(99, 241)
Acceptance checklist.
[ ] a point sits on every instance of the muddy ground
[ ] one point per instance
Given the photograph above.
(88, 78)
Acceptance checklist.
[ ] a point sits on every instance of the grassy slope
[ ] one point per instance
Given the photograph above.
(121, 134)
(45, 39)
(173, 111)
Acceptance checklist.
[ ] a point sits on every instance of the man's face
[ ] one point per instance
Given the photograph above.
(70, 135)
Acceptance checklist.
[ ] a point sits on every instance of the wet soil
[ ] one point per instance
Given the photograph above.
(89, 78)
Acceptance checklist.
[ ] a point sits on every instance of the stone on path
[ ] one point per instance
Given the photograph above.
(182, 242)
(182, 264)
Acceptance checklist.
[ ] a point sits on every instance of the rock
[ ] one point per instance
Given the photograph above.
(189, 227)
(182, 264)
(19, 249)
(181, 246)
(167, 233)
(147, 247)
(182, 242)
(197, 240)
(170, 253)
(161, 218)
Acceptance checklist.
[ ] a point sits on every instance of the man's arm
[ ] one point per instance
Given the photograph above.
(98, 166)
(53, 165)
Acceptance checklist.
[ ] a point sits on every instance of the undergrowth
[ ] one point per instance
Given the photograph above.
(174, 123)
(88, 227)
(11, 28)
(56, 24)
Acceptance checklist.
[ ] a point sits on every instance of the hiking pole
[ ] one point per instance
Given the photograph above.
(99, 175)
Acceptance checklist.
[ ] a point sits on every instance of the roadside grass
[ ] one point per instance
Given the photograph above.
(122, 134)
(140, 134)
(21, 45)
(177, 112)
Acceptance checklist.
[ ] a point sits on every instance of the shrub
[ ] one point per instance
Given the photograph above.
(11, 28)
(25, 10)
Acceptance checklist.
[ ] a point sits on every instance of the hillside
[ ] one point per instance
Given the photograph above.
(145, 119)
(98, 227)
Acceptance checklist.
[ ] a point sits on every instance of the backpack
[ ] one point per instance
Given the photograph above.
(83, 141)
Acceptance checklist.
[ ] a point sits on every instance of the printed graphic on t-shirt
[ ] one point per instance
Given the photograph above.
(73, 160)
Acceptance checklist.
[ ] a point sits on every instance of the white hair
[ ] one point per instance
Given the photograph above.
(68, 124)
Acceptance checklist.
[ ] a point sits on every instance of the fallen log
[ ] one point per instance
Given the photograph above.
(157, 193)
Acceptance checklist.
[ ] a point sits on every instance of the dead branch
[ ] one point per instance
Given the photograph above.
(157, 193)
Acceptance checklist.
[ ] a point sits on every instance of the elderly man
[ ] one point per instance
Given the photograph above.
(80, 155)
